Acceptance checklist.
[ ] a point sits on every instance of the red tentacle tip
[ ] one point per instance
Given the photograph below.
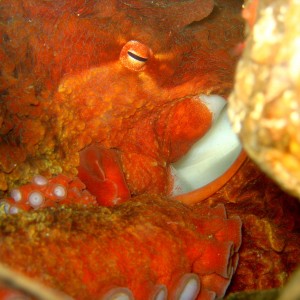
(101, 172)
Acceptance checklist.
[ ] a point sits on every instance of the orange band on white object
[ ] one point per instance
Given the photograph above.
(211, 188)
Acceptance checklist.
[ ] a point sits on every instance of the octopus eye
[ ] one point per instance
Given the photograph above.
(134, 56)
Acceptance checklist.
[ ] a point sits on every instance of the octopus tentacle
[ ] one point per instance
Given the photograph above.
(42, 193)
(101, 172)
(147, 229)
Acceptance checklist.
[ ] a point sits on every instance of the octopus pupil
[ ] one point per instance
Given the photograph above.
(139, 58)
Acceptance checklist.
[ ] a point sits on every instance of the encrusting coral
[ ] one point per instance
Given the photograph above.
(265, 106)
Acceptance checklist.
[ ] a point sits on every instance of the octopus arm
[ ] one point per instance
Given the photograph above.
(141, 245)
(102, 174)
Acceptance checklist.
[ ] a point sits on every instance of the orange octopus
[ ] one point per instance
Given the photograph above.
(90, 89)
(160, 248)
(85, 73)
(105, 91)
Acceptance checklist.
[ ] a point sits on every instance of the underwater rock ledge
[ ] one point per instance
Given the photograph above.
(265, 104)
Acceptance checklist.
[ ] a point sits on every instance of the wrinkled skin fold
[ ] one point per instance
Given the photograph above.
(270, 248)
(150, 241)
(68, 83)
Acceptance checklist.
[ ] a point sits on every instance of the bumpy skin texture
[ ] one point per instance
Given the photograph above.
(41, 192)
(264, 109)
(64, 87)
(32, 72)
(150, 241)
(265, 103)
(270, 248)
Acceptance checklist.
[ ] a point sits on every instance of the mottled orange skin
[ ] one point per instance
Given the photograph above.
(271, 228)
(150, 127)
(270, 245)
(63, 86)
(47, 46)
(149, 240)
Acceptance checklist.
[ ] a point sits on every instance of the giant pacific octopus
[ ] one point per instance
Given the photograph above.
(110, 76)
(90, 88)
(105, 91)
(156, 244)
